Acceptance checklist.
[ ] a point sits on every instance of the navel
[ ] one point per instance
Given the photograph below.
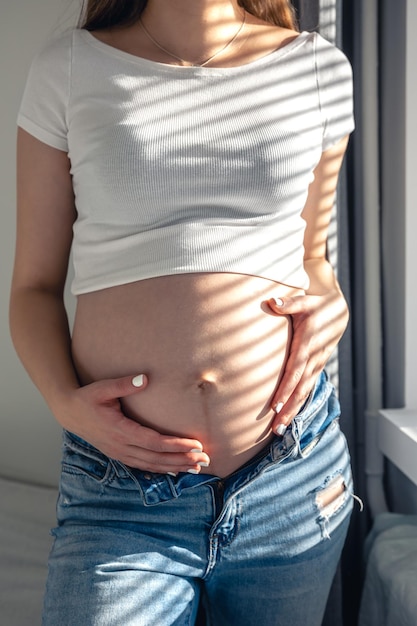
(206, 383)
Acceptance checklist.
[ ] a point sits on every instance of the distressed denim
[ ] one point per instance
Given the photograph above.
(258, 547)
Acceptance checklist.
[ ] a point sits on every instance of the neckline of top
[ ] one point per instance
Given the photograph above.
(283, 50)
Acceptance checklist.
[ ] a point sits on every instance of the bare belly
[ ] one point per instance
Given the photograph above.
(210, 347)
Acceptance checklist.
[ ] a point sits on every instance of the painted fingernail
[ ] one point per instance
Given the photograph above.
(278, 407)
(196, 450)
(193, 471)
(137, 381)
(203, 464)
(278, 301)
(172, 474)
(280, 430)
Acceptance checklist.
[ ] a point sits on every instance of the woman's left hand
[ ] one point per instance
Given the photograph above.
(319, 322)
(320, 317)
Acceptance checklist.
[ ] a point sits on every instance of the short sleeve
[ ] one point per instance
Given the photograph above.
(43, 109)
(335, 87)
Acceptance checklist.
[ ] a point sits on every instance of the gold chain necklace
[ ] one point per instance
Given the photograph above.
(183, 61)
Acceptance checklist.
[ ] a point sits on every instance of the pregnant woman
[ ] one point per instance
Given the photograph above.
(187, 154)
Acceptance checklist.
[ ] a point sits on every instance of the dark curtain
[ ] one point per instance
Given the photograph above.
(353, 359)
(343, 604)
(308, 12)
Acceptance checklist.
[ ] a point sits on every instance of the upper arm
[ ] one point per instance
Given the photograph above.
(318, 208)
(45, 215)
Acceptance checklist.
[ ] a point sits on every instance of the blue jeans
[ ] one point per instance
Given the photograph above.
(260, 546)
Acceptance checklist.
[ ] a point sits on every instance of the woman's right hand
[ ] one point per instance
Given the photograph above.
(39, 324)
(104, 426)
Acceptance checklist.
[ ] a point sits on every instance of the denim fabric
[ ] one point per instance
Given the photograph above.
(138, 549)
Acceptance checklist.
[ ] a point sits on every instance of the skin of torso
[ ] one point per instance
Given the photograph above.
(211, 349)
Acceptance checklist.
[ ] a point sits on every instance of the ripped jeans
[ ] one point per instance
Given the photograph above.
(258, 547)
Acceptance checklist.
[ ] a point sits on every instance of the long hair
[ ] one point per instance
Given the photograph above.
(97, 14)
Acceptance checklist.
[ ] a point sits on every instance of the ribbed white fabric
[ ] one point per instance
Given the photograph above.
(188, 169)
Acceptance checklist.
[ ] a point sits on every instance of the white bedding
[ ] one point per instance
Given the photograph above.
(389, 595)
(27, 513)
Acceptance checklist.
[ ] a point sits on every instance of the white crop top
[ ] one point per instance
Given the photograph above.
(188, 169)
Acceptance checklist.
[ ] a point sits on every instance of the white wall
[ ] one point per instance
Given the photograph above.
(411, 212)
(29, 437)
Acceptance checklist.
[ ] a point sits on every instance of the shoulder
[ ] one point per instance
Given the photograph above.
(328, 56)
(335, 90)
(56, 48)
(46, 94)
(266, 37)
(58, 51)
(52, 63)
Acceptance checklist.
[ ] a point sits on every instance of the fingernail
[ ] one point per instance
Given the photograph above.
(193, 471)
(196, 450)
(203, 464)
(172, 474)
(280, 430)
(278, 301)
(278, 407)
(137, 381)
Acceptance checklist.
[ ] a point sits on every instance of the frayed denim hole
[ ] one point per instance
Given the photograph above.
(330, 499)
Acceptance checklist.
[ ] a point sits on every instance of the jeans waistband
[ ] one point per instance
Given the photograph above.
(320, 409)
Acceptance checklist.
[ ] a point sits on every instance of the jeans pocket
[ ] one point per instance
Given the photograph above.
(322, 410)
(80, 458)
